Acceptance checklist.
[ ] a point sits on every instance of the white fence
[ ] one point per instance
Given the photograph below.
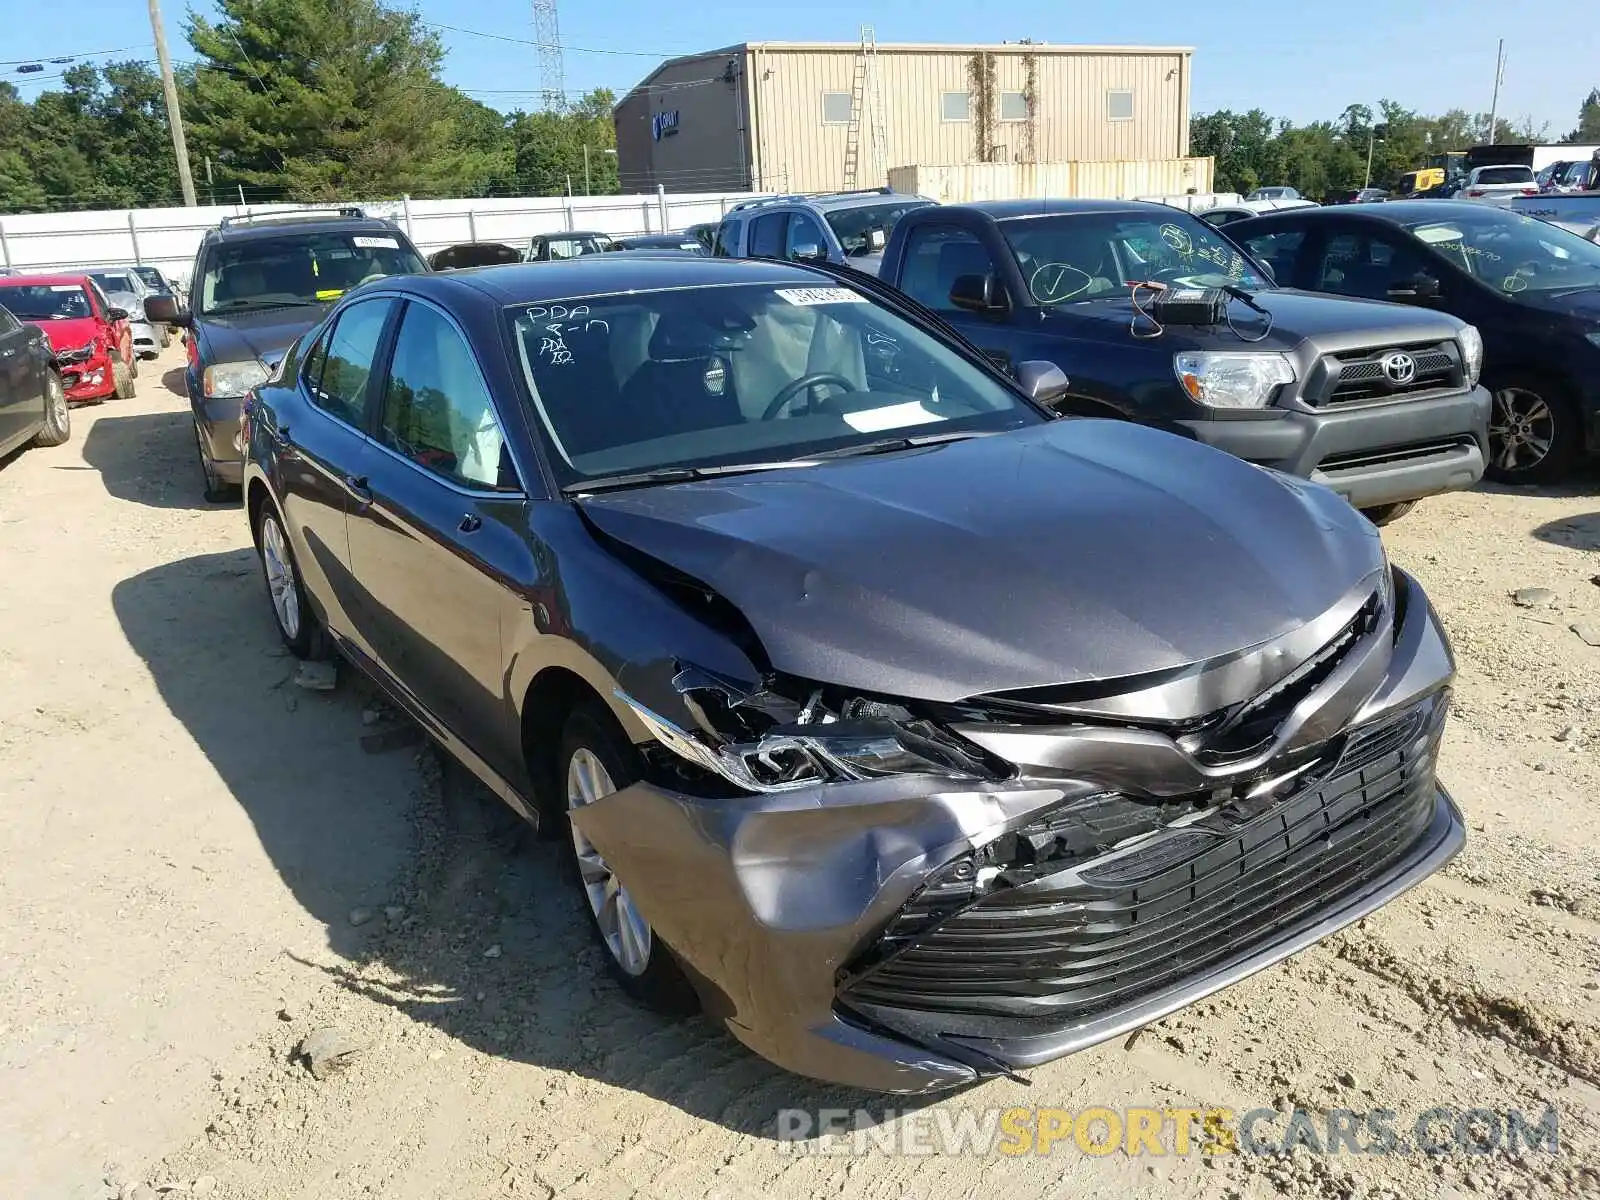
(168, 237)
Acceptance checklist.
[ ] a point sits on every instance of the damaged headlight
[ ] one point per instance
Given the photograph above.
(752, 742)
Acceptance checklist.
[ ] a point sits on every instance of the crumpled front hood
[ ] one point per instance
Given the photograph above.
(73, 333)
(262, 336)
(1069, 552)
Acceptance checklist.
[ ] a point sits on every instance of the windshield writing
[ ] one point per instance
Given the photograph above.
(741, 374)
(45, 301)
(1513, 253)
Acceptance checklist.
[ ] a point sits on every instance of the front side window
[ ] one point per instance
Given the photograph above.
(152, 279)
(725, 244)
(955, 106)
(935, 257)
(1085, 256)
(298, 269)
(8, 323)
(836, 108)
(1278, 251)
(864, 229)
(744, 373)
(805, 235)
(341, 387)
(1357, 264)
(436, 406)
(45, 301)
(1513, 253)
(116, 281)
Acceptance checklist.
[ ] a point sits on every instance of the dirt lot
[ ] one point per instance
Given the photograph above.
(201, 866)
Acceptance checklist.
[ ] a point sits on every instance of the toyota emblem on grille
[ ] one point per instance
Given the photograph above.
(1399, 368)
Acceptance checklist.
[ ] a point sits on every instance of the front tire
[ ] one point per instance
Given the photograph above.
(1386, 514)
(297, 624)
(122, 377)
(1535, 435)
(57, 427)
(595, 761)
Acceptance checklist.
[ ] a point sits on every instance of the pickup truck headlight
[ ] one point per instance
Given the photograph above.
(1471, 352)
(232, 379)
(1231, 379)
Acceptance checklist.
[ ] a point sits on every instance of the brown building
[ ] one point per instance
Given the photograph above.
(816, 116)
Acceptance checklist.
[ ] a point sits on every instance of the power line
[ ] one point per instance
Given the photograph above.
(504, 37)
(12, 62)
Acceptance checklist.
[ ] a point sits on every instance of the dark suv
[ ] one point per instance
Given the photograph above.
(258, 283)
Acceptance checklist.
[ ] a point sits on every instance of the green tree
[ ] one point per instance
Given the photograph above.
(549, 148)
(1588, 130)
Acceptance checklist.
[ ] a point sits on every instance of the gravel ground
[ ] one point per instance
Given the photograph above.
(204, 867)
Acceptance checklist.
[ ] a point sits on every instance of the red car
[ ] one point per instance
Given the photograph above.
(91, 339)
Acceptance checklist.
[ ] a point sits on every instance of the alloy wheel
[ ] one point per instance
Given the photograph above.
(1521, 431)
(279, 569)
(57, 401)
(626, 933)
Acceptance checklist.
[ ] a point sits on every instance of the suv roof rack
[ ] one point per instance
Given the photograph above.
(299, 214)
(800, 197)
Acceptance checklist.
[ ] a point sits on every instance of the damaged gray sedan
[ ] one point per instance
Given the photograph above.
(916, 734)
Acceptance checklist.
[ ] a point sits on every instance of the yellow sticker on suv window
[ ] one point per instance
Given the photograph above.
(329, 293)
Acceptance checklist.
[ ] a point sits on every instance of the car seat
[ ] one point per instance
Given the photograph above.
(679, 388)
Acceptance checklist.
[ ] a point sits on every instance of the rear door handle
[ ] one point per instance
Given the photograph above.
(356, 485)
(470, 523)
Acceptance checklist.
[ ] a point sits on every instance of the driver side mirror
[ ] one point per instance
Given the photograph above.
(116, 314)
(165, 310)
(1044, 381)
(1420, 287)
(979, 294)
(808, 252)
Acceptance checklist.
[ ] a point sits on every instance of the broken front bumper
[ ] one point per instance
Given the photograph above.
(803, 916)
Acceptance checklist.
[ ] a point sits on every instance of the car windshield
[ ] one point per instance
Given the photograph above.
(1087, 256)
(300, 268)
(1513, 253)
(865, 229)
(115, 281)
(742, 374)
(45, 301)
(1505, 175)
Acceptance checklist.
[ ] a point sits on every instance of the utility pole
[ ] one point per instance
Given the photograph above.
(1378, 133)
(1499, 73)
(586, 190)
(169, 86)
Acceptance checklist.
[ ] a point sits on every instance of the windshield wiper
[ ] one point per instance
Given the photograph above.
(633, 479)
(889, 445)
(258, 305)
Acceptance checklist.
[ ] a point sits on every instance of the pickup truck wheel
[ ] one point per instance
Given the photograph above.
(1384, 514)
(1534, 432)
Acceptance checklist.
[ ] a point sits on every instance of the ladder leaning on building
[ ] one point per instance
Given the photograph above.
(866, 93)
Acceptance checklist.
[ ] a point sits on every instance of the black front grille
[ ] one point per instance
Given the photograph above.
(1388, 456)
(1359, 375)
(1080, 942)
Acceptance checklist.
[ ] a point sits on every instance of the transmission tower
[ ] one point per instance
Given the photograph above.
(552, 68)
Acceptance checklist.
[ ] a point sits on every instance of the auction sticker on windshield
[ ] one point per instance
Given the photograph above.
(821, 296)
(376, 243)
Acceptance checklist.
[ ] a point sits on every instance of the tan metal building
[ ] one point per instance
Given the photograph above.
(815, 116)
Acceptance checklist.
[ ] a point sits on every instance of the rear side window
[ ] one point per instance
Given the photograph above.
(726, 243)
(766, 236)
(341, 388)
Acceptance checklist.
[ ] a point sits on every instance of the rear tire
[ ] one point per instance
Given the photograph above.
(1384, 514)
(596, 760)
(123, 377)
(1535, 435)
(57, 427)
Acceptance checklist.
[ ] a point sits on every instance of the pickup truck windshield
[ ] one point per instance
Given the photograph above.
(1074, 257)
(301, 268)
(1513, 253)
(742, 374)
(865, 230)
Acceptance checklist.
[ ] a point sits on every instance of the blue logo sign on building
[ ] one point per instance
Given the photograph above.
(664, 124)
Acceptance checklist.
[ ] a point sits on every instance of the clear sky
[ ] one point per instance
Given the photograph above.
(1294, 60)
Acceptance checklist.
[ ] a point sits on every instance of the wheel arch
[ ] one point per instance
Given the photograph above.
(551, 696)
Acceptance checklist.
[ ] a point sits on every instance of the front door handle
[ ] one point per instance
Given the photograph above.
(470, 523)
(356, 485)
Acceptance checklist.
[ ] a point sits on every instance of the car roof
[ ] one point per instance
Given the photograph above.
(35, 280)
(605, 274)
(1390, 212)
(569, 234)
(1002, 210)
(280, 226)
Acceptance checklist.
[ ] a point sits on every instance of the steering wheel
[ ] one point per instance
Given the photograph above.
(791, 391)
